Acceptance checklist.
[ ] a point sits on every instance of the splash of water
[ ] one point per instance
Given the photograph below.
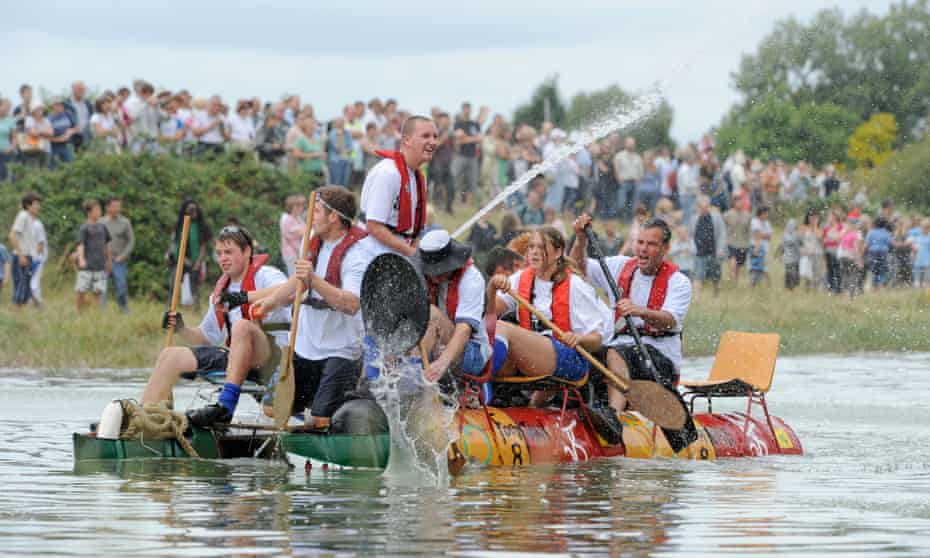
(419, 421)
(616, 119)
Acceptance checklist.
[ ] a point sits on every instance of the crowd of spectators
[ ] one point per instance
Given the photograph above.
(719, 209)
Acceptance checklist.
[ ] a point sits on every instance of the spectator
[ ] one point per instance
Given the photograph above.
(611, 241)
(269, 140)
(104, 126)
(38, 262)
(771, 183)
(761, 223)
(144, 116)
(35, 145)
(482, 237)
(196, 253)
(709, 233)
(790, 250)
(80, 110)
(510, 227)
(736, 173)
(370, 146)
(647, 191)
(241, 127)
(525, 155)
(585, 160)
(291, 110)
(533, 213)
(757, 264)
(878, 243)
(7, 138)
(440, 167)
(738, 220)
(171, 129)
(687, 182)
(849, 255)
(629, 246)
(355, 127)
(308, 149)
(605, 183)
(628, 168)
(5, 270)
(339, 148)
(94, 263)
(501, 260)
(683, 251)
(811, 265)
(63, 129)
(555, 194)
(24, 247)
(208, 128)
(922, 259)
(902, 249)
(122, 243)
(24, 108)
(292, 226)
(495, 165)
(465, 158)
(665, 210)
(831, 184)
(799, 183)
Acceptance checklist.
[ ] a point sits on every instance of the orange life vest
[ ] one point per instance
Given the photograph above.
(404, 206)
(248, 285)
(334, 267)
(560, 309)
(656, 295)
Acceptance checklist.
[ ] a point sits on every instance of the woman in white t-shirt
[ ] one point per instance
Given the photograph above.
(104, 126)
(242, 127)
(548, 283)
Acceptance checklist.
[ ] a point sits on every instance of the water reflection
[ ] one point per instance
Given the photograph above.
(861, 490)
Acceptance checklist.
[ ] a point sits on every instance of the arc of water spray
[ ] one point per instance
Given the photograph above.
(617, 119)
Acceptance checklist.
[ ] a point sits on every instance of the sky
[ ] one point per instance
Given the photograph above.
(488, 52)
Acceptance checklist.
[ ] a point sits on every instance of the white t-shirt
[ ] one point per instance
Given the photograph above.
(41, 239)
(241, 130)
(265, 277)
(24, 229)
(764, 227)
(470, 309)
(381, 196)
(330, 333)
(587, 313)
(186, 116)
(677, 301)
(202, 119)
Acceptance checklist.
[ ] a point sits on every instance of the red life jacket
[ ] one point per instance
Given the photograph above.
(452, 290)
(403, 210)
(334, 267)
(248, 285)
(656, 295)
(560, 309)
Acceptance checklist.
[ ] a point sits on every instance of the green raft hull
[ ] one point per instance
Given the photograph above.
(207, 444)
(363, 450)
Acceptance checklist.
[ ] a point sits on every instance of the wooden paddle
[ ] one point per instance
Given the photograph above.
(178, 275)
(284, 389)
(651, 399)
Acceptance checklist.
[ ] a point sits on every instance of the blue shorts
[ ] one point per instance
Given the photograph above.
(569, 364)
(473, 361)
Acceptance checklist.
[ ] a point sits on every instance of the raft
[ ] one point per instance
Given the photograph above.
(207, 443)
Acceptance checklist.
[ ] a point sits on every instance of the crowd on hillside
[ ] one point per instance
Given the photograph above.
(718, 209)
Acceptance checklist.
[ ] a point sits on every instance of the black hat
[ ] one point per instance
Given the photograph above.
(438, 253)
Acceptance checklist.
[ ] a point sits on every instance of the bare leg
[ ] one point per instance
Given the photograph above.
(618, 366)
(248, 349)
(171, 363)
(80, 302)
(530, 353)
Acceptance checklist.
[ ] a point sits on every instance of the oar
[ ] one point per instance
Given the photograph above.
(651, 399)
(284, 389)
(615, 290)
(395, 304)
(178, 274)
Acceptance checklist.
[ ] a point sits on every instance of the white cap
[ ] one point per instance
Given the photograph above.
(434, 240)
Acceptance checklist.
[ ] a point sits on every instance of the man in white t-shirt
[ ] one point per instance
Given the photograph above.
(208, 128)
(656, 296)
(24, 247)
(328, 350)
(252, 342)
(457, 291)
(393, 201)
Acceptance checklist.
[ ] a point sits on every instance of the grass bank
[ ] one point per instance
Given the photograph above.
(808, 322)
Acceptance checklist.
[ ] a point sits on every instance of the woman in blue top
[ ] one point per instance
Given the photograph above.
(877, 245)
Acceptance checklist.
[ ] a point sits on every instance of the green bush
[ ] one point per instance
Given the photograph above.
(152, 188)
(903, 177)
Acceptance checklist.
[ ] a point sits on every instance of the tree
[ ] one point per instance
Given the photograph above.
(871, 144)
(534, 112)
(775, 127)
(586, 108)
(865, 64)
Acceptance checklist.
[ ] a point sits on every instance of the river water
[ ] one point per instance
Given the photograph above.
(863, 487)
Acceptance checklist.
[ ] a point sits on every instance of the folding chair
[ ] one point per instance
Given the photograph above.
(743, 367)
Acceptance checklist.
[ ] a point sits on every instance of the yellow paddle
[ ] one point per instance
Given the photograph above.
(649, 398)
(178, 274)
(284, 389)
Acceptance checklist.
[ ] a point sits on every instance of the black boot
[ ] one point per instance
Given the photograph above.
(209, 416)
(607, 424)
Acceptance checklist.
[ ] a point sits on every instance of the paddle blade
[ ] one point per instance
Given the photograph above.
(395, 304)
(283, 398)
(657, 403)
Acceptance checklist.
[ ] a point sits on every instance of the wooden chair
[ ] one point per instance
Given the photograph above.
(743, 367)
